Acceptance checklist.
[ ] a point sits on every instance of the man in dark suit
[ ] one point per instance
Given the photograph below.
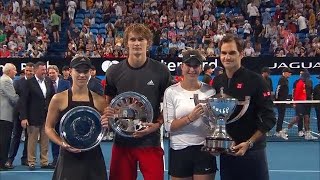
(94, 83)
(59, 85)
(19, 86)
(35, 101)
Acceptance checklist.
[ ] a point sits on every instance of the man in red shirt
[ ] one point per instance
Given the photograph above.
(302, 90)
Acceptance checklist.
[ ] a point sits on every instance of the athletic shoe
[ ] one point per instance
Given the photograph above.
(309, 136)
(300, 133)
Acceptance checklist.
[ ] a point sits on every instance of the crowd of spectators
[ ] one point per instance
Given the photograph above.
(24, 28)
(281, 28)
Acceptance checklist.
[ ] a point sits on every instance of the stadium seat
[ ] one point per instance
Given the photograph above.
(94, 31)
(79, 21)
(94, 26)
(87, 15)
(102, 31)
(102, 26)
(78, 25)
(80, 16)
(98, 20)
(98, 15)
(82, 11)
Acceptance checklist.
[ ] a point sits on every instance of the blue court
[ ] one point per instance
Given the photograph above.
(287, 161)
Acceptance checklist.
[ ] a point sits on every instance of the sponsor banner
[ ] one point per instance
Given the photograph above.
(275, 64)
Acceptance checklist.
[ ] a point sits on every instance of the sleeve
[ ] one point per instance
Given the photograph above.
(9, 92)
(265, 107)
(168, 109)
(110, 88)
(24, 100)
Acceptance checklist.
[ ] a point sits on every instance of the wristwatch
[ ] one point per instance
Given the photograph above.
(250, 143)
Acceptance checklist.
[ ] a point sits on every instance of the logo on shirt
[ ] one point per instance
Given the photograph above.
(150, 83)
(239, 85)
(266, 94)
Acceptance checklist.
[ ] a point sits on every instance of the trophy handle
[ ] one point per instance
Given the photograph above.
(245, 105)
(197, 100)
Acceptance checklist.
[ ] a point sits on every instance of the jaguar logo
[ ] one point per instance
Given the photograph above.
(295, 65)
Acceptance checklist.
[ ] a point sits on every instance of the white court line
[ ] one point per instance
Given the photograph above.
(294, 171)
(272, 170)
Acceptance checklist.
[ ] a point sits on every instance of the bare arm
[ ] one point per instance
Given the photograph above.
(52, 119)
(54, 110)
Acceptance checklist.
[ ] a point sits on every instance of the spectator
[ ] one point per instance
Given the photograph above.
(5, 52)
(56, 24)
(248, 50)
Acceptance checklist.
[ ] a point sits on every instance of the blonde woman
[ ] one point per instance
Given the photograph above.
(187, 127)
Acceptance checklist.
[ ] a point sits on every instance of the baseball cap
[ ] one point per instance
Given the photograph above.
(287, 70)
(192, 57)
(80, 60)
(217, 70)
(265, 69)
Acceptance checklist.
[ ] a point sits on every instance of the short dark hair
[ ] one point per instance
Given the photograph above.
(64, 68)
(232, 38)
(30, 64)
(39, 63)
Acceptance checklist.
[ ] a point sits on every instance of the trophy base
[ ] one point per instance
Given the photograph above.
(217, 146)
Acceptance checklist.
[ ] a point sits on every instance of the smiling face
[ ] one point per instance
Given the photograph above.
(80, 75)
(191, 72)
(230, 56)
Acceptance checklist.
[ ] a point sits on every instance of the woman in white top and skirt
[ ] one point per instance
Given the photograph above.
(186, 125)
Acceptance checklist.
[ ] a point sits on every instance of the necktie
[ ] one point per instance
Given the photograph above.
(55, 86)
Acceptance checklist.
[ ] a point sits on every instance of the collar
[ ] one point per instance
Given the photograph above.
(239, 71)
(38, 80)
(11, 80)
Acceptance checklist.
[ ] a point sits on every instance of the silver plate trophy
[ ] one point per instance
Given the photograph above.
(219, 110)
(81, 128)
(132, 110)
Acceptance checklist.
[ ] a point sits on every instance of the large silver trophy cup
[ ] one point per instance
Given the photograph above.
(219, 110)
(132, 111)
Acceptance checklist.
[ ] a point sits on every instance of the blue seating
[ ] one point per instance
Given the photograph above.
(98, 20)
(301, 35)
(82, 11)
(98, 15)
(87, 15)
(94, 26)
(94, 31)
(102, 31)
(77, 20)
(102, 26)
(240, 30)
(78, 25)
(80, 16)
